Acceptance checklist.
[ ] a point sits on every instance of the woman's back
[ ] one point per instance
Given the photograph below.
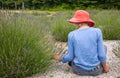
(85, 43)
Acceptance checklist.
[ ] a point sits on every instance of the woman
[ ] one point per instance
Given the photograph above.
(86, 53)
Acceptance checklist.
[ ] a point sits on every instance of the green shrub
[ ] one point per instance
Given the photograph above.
(108, 21)
(60, 27)
(25, 46)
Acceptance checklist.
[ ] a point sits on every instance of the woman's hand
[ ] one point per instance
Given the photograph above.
(106, 67)
(56, 57)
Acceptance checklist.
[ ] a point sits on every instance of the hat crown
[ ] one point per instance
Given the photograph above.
(81, 14)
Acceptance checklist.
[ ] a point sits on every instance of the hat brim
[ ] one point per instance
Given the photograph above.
(74, 20)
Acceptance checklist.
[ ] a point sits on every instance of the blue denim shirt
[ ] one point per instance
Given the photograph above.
(85, 48)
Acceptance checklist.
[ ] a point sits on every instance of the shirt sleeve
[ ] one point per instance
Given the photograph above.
(69, 56)
(101, 49)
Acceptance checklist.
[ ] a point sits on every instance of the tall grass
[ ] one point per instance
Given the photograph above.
(25, 45)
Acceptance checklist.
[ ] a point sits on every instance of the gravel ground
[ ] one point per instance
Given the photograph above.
(60, 70)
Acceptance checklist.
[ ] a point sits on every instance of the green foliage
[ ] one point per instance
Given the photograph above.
(60, 27)
(25, 46)
(108, 21)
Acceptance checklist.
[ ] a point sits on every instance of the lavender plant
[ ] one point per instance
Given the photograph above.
(25, 45)
(108, 21)
(60, 27)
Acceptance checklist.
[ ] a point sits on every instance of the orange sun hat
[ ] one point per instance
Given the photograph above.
(81, 16)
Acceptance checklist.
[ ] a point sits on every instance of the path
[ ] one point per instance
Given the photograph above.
(60, 70)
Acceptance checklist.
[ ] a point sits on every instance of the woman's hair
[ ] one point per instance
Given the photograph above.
(84, 23)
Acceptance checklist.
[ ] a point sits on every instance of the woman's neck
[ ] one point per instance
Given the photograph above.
(83, 26)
